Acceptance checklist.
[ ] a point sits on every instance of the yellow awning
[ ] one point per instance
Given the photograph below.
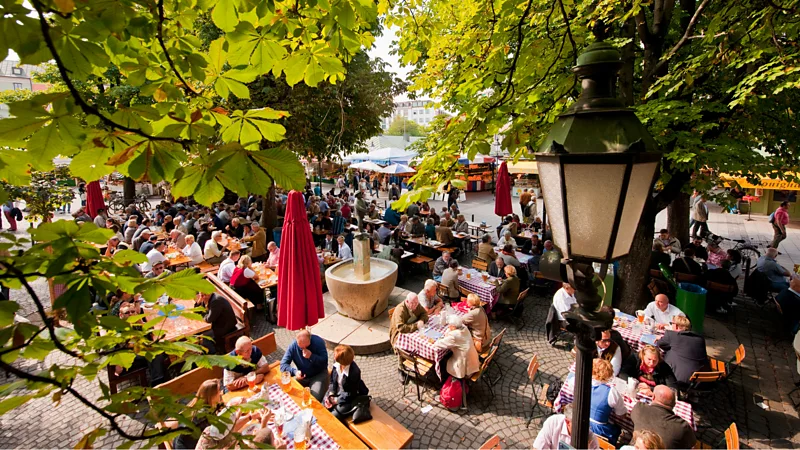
(523, 167)
(765, 183)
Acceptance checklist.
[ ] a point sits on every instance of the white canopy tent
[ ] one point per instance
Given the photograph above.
(366, 165)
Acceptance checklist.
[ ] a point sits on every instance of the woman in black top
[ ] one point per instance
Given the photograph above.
(346, 385)
(649, 369)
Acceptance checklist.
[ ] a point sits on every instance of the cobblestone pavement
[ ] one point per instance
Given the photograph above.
(768, 370)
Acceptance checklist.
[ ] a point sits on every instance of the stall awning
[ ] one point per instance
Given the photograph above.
(523, 167)
(765, 183)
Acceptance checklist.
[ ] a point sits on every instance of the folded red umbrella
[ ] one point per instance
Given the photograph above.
(299, 286)
(502, 196)
(94, 198)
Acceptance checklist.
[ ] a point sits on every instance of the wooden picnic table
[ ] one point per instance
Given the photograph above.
(436, 245)
(177, 327)
(177, 259)
(267, 277)
(406, 253)
(330, 424)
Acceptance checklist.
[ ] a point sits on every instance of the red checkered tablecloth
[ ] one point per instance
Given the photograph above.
(319, 438)
(486, 291)
(565, 397)
(632, 333)
(420, 345)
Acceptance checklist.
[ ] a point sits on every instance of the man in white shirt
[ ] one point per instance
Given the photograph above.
(558, 428)
(155, 255)
(661, 311)
(563, 300)
(212, 251)
(344, 250)
(235, 378)
(507, 240)
(226, 268)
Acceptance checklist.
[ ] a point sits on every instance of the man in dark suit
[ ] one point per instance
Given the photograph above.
(684, 350)
(496, 268)
(220, 315)
(659, 418)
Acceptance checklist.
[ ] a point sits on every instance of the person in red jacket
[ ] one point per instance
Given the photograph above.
(779, 221)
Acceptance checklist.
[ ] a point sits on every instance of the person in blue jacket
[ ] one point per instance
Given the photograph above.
(310, 359)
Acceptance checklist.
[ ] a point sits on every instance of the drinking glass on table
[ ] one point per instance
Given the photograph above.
(251, 381)
(306, 397)
(286, 381)
(640, 316)
(299, 440)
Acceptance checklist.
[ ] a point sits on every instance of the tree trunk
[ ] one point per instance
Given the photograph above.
(269, 214)
(628, 60)
(128, 191)
(678, 218)
(634, 275)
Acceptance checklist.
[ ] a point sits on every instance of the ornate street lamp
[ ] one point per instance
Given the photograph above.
(597, 168)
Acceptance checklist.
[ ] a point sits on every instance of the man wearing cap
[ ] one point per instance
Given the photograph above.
(259, 240)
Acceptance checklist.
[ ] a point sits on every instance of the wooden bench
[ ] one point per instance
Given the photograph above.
(383, 431)
(241, 307)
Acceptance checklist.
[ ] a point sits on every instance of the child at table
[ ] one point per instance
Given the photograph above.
(605, 400)
(346, 391)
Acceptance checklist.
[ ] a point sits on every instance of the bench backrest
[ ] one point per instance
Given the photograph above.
(188, 383)
(266, 344)
(241, 307)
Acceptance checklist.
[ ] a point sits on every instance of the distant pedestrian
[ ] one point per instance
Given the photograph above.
(700, 217)
(780, 218)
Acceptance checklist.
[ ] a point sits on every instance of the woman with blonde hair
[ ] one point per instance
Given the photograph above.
(644, 440)
(192, 250)
(209, 394)
(649, 369)
(605, 400)
(244, 280)
(478, 323)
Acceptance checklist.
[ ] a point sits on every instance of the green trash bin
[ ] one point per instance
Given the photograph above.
(691, 299)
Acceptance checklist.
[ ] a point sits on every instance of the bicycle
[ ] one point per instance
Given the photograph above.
(116, 204)
(142, 203)
(745, 247)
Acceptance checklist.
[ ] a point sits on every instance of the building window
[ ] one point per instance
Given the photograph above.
(17, 86)
(17, 71)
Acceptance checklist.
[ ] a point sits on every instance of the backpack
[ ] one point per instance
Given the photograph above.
(772, 217)
(553, 391)
(451, 394)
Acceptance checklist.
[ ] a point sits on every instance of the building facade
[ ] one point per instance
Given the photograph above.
(420, 111)
(15, 77)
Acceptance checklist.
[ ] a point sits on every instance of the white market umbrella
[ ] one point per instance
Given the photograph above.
(397, 169)
(366, 165)
(390, 154)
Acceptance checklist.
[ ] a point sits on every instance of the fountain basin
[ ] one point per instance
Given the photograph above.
(361, 299)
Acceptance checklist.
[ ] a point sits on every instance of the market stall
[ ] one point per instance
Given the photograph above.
(478, 173)
(525, 175)
(771, 192)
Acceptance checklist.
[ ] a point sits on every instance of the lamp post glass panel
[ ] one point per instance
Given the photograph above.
(597, 168)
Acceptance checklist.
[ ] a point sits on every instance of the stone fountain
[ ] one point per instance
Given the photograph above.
(361, 286)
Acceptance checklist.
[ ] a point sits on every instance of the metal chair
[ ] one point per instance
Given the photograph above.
(492, 444)
(481, 375)
(516, 313)
(538, 400)
(413, 366)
